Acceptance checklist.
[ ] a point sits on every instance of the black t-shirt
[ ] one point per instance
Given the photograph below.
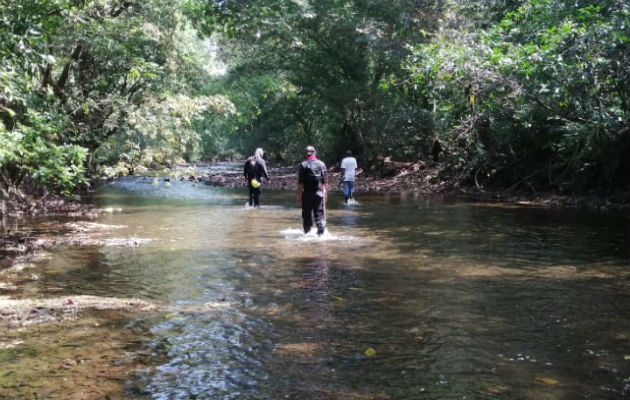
(312, 174)
(255, 168)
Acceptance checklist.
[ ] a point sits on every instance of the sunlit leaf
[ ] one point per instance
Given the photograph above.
(546, 380)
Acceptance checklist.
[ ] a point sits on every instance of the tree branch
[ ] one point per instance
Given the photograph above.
(63, 78)
(122, 6)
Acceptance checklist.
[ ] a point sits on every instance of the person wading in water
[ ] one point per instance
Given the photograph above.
(348, 172)
(312, 191)
(254, 169)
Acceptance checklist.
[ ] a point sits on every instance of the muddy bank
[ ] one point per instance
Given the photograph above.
(19, 242)
(393, 177)
(47, 204)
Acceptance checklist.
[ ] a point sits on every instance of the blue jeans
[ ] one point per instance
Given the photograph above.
(348, 188)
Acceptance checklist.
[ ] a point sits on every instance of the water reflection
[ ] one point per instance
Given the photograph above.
(456, 299)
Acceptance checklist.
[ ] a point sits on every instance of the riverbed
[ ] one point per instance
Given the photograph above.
(404, 297)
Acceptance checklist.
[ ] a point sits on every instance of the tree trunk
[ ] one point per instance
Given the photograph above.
(367, 152)
(355, 127)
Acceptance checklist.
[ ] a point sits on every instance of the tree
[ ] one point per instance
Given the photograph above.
(80, 74)
(334, 55)
(540, 98)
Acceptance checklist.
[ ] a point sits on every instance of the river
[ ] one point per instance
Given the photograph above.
(404, 298)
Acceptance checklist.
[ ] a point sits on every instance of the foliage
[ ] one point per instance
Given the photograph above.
(162, 129)
(109, 72)
(529, 93)
(26, 156)
(329, 58)
(540, 97)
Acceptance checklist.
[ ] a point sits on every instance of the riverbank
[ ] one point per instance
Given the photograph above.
(46, 204)
(426, 178)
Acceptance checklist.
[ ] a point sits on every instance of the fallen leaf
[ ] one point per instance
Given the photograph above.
(369, 352)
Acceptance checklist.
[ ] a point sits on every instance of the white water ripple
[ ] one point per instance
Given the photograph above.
(298, 234)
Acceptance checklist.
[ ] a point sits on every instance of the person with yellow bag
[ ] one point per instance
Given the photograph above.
(254, 170)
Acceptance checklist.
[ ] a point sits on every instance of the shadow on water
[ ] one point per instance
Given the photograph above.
(505, 235)
(404, 299)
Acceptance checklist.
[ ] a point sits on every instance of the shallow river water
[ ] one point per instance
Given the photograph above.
(403, 298)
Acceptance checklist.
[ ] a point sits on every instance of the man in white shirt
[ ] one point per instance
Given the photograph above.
(348, 172)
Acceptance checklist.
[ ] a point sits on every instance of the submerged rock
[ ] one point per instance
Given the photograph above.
(23, 312)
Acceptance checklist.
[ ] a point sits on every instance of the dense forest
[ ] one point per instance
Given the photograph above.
(530, 92)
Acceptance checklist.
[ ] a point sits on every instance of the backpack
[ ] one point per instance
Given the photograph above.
(312, 176)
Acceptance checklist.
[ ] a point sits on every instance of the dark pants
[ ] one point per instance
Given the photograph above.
(254, 196)
(313, 206)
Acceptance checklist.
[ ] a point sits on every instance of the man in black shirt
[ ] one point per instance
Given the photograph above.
(312, 191)
(254, 169)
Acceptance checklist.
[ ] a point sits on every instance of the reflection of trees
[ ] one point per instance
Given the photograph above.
(501, 236)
